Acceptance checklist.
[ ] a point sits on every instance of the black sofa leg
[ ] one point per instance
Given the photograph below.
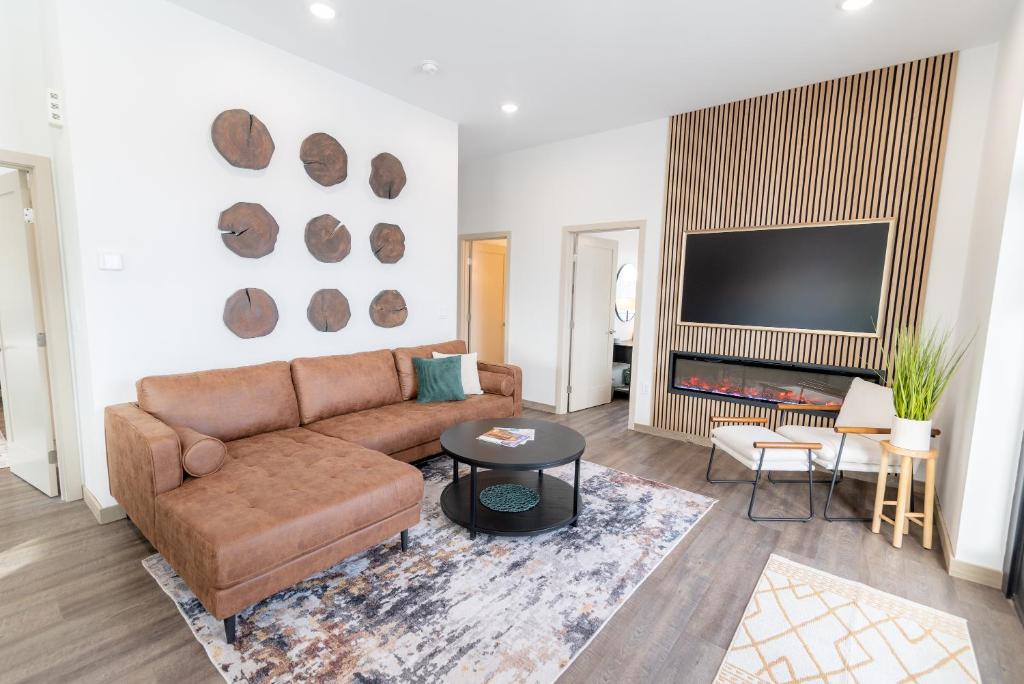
(229, 629)
(405, 540)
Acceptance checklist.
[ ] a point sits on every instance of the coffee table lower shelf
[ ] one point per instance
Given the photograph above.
(554, 510)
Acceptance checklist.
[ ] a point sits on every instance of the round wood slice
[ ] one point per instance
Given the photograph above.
(387, 242)
(387, 175)
(327, 239)
(242, 139)
(325, 159)
(328, 310)
(388, 309)
(248, 229)
(250, 312)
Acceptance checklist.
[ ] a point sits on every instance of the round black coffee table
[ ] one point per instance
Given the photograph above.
(553, 445)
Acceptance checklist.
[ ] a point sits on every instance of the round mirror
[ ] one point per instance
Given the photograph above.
(625, 293)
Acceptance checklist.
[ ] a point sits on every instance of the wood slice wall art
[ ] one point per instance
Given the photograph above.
(324, 159)
(387, 242)
(248, 229)
(250, 312)
(867, 146)
(327, 239)
(387, 175)
(388, 309)
(328, 310)
(242, 139)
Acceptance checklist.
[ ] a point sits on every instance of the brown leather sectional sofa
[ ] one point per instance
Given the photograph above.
(317, 464)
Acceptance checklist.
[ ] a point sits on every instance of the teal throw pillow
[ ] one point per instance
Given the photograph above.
(439, 379)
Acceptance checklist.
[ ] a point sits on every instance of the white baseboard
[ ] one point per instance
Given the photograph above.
(979, 574)
(671, 434)
(538, 406)
(103, 514)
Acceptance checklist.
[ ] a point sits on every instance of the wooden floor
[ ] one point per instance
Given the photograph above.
(76, 604)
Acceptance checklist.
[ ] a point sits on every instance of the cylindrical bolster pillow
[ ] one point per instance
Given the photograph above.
(497, 383)
(200, 454)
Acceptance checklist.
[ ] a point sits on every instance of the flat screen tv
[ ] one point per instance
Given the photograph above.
(819, 278)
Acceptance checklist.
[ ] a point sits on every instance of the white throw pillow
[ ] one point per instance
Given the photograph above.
(470, 373)
(867, 405)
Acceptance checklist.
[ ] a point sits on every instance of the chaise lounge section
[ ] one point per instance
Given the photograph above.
(316, 466)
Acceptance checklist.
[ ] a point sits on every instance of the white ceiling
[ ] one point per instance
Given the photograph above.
(581, 66)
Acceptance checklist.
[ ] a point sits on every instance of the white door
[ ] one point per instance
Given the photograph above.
(487, 300)
(26, 391)
(591, 327)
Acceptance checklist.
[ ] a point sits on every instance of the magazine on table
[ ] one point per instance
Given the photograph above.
(507, 437)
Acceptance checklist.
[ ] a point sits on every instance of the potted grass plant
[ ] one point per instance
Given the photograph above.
(919, 372)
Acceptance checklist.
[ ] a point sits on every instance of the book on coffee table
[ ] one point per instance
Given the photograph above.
(507, 437)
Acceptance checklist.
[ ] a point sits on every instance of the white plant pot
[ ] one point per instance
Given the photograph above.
(915, 435)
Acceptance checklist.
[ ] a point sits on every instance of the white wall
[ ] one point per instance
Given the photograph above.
(23, 79)
(143, 81)
(614, 176)
(984, 410)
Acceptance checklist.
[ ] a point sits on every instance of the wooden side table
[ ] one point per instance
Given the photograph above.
(901, 523)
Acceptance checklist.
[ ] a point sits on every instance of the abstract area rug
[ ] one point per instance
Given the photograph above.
(806, 625)
(495, 609)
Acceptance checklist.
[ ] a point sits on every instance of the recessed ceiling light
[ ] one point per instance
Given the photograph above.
(429, 67)
(510, 108)
(321, 10)
(854, 5)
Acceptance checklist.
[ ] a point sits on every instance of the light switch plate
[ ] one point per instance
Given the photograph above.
(111, 261)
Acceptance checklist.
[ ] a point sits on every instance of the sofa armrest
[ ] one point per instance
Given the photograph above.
(517, 379)
(143, 461)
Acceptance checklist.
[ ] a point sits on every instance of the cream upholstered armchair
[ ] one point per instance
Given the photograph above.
(852, 444)
(759, 449)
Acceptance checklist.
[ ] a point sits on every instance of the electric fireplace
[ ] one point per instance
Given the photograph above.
(756, 381)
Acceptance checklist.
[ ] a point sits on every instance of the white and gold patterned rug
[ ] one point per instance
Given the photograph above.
(451, 609)
(805, 625)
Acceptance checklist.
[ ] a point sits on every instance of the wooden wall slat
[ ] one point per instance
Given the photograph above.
(861, 147)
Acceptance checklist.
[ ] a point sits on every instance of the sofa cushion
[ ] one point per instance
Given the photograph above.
(398, 427)
(470, 372)
(439, 379)
(279, 496)
(332, 385)
(404, 357)
(201, 455)
(497, 383)
(229, 403)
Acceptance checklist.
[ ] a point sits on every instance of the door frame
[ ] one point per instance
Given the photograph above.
(569, 234)
(50, 258)
(463, 292)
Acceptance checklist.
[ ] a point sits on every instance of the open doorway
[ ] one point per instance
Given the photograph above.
(483, 295)
(600, 295)
(40, 436)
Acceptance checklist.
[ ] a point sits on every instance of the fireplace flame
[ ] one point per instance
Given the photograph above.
(731, 388)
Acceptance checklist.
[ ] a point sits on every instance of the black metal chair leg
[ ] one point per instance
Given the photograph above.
(810, 494)
(405, 540)
(837, 471)
(229, 629)
(711, 460)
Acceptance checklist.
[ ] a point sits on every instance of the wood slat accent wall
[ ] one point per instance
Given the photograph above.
(860, 147)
